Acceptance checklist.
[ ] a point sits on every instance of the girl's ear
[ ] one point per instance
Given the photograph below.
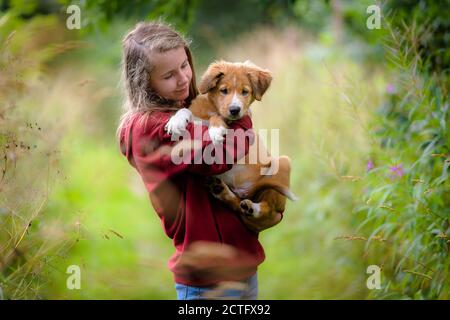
(211, 77)
(260, 81)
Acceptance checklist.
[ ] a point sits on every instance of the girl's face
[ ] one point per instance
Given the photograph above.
(172, 74)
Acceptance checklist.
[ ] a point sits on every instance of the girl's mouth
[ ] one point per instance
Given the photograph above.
(181, 90)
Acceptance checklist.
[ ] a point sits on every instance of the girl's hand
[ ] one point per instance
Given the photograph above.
(177, 124)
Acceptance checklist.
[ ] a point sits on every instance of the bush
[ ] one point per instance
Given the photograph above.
(406, 194)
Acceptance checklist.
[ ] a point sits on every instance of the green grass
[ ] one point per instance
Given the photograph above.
(103, 193)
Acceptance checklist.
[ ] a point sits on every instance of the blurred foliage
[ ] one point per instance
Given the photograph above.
(404, 211)
(99, 14)
(29, 137)
(214, 18)
(433, 43)
(406, 190)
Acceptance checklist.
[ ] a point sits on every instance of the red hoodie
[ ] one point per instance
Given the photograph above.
(177, 191)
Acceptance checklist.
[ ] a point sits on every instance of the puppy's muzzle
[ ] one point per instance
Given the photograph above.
(234, 110)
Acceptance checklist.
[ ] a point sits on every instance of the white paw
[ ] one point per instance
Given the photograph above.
(217, 134)
(177, 124)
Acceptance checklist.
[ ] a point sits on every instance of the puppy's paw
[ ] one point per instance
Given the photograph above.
(177, 124)
(250, 209)
(217, 134)
(215, 185)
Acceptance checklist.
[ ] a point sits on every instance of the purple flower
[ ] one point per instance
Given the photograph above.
(390, 89)
(397, 170)
(370, 165)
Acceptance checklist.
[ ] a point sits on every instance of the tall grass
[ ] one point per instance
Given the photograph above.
(29, 138)
(405, 196)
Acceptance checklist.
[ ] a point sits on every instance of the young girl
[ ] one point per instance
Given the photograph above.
(212, 245)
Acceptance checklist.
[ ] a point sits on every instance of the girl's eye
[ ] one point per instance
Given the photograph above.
(244, 92)
(168, 77)
(184, 65)
(224, 91)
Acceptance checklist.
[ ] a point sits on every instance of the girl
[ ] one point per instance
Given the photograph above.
(212, 245)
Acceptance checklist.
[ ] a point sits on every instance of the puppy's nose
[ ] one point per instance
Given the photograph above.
(234, 110)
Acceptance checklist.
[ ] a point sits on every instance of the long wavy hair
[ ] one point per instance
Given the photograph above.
(139, 45)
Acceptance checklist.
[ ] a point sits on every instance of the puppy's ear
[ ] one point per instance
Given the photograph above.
(260, 81)
(211, 77)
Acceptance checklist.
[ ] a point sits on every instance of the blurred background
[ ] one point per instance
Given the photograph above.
(362, 112)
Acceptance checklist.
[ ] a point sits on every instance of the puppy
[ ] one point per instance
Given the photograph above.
(227, 91)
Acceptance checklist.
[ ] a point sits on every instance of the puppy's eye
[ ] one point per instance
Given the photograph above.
(244, 92)
(224, 91)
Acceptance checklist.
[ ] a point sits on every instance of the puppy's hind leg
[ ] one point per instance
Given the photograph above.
(221, 191)
(259, 216)
(252, 209)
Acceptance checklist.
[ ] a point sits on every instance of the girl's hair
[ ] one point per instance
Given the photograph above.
(138, 46)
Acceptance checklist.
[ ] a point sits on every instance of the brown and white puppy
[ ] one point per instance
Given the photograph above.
(227, 91)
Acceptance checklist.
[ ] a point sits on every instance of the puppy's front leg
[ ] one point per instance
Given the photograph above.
(176, 125)
(217, 129)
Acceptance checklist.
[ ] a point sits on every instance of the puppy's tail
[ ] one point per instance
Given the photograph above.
(289, 194)
(285, 191)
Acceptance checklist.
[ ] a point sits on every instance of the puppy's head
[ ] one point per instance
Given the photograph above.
(232, 87)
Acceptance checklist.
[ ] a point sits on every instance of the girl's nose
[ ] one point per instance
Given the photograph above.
(183, 79)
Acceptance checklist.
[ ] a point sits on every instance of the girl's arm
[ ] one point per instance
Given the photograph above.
(235, 146)
(151, 146)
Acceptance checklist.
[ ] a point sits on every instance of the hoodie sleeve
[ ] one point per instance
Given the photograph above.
(149, 148)
(208, 159)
